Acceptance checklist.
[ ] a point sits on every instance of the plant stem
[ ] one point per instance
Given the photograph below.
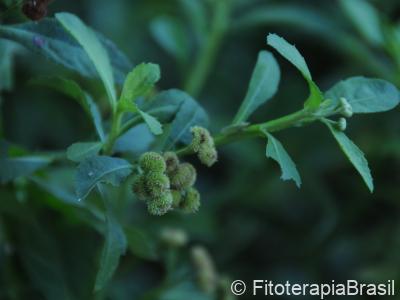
(298, 118)
(114, 133)
(209, 51)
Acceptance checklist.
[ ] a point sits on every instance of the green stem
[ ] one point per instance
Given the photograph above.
(298, 118)
(114, 133)
(208, 52)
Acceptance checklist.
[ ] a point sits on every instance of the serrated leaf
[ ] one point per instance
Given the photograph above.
(263, 86)
(277, 152)
(114, 246)
(354, 154)
(139, 82)
(95, 50)
(73, 90)
(80, 151)
(290, 52)
(188, 114)
(48, 38)
(365, 95)
(97, 169)
(153, 124)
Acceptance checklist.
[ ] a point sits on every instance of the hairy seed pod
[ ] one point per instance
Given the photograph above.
(139, 188)
(206, 273)
(160, 205)
(174, 237)
(157, 184)
(203, 145)
(176, 198)
(171, 160)
(346, 109)
(208, 155)
(341, 124)
(183, 177)
(191, 201)
(152, 162)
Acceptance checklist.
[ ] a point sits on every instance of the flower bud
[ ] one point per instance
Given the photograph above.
(174, 237)
(176, 198)
(152, 162)
(190, 203)
(346, 109)
(156, 184)
(203, 145)
(341, 124)
(206, 274)
(171, 160)
(139, 188)
(183, 177)
(159, 206)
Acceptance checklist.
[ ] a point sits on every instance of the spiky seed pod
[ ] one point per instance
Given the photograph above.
(139, 188)
(203, 145)
(346, 109)
(190, 203)
(152, 162)
(176, 198)
(206, 273)
(183, 177)
(174, 237)
(171, 160)
(160, 205)
(341, 124)
(157, 184)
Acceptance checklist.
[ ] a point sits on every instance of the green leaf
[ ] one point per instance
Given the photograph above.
(153, 124)
(365, 95)
(140, 243)
(80, 151)
(263, 86)
(276, 151)
(354, 154)
(73, 90)
(7, 53)
(196, 14)
(96, 169)
(171, 35)
(114, 247)
(139, 82)
(48, 38)
(135, 141)
(188, 114)
(290, 52)
(365, 18)
(14, 167)
(95, 50)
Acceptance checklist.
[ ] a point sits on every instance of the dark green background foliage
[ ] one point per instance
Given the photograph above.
(254, 225)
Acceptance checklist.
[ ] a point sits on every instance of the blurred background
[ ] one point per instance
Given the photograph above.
(253, 225)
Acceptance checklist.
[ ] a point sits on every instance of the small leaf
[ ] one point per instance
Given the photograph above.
(354, 154)
(153, 124)
(80, 151)
(276, 151)
(114, 247)
(48, 38)
(73, 90)
(139, 82)
(290, 52)
(365, 95)
(96, 169)
(365, 18)
(95, 50)
(263, 86)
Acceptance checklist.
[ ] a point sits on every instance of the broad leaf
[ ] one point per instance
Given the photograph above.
(365, 95)
(73, 90)
(135, 141)
(49, 39)
(95, 50)
(276, 151)
(354, 154)
(263, 86)
(80, 151)
(98, 169)
(188, 114)
(290, 52)
(114, 247)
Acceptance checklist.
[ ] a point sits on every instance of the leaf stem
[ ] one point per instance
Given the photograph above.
(114, 133)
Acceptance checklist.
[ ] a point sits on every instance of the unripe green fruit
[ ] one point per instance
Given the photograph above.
(346, 109)
(152, 162)
(156, 184)
(139, 188)
(183, 177)
(171, 160)
(176, 198)
(174, 237)
(206, 273)
(191, 201)
(203, 145)
(341, 124)
(208, 155)
(160, 205)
